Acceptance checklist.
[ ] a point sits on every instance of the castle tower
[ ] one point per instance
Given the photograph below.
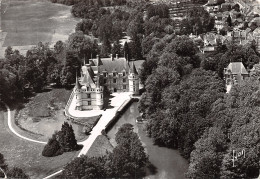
(133, 80)
(99, 94)
(77, 91)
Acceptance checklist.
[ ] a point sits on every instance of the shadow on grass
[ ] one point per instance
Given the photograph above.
(79, 147)
(151, 168)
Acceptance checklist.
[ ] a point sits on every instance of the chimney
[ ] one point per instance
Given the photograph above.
(116, 56)
(111, 56)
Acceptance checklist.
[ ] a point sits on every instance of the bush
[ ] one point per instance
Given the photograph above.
(16, 173)
(62, 141)
(52, 148)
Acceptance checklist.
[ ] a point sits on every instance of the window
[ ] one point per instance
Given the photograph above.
(114, 80)
(133, 88)
(89, 96)
(124, 80)
(124, 86)
(123, 73)
(105, 74)
(114, 74)
(101, 96)
(105, 81)
(89, 103)
(87, 88)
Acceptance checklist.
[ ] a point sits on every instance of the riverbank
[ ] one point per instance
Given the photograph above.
(165, 163)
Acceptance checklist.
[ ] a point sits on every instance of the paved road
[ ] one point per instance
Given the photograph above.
(116, 102)
(13, 130)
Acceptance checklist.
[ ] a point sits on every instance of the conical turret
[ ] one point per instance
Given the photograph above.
(77, 85)
(133, 69)
(99, 94)
(133, 80)
(77, 91)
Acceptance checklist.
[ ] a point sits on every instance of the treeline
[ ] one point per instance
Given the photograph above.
(127, 160)
(184, 90)
(141, 21)
(91, 2)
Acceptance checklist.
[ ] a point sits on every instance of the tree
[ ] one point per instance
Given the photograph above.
(117, 48)
(16, 172)
(61, 141)
(3, 165)
(85, 167)
(127, 54)
(105, 48)
(130, 147)
(52, 148)
(229, 21)
(69, 70)
(66, 138)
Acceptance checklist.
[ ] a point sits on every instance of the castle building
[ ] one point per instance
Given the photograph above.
(105, 74)
(234, 74)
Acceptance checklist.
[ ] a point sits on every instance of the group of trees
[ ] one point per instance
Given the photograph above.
(235, 127)
(197, 21)
(187, 108)
(61, 141)
(176, 93)
(8, 172)
(127, 160)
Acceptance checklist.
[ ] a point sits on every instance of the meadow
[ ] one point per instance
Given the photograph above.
(27, 155)
(28, 22)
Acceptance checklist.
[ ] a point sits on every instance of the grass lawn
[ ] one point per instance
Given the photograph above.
(44, 114)
(27, 155)
(100, 147)
(28, 22)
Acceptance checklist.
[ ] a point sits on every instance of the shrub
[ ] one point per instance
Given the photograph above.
(52, 148)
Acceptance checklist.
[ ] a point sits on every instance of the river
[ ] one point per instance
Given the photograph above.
(167, 163)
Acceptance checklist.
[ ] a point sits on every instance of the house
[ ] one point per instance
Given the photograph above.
(105, 74)
(234, 74)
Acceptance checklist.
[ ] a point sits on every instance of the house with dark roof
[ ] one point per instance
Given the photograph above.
(101, 74)
(234, 74)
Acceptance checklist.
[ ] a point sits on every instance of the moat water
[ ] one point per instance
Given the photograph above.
(167, 163)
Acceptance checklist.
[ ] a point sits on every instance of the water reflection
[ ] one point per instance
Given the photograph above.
(165, 163)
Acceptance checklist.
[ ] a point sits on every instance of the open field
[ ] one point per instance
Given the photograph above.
(44, 114)
(27, 155)
(28, 22)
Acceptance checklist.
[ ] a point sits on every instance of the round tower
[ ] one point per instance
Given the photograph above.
(78, 95)
(99, 94)
(133, 80)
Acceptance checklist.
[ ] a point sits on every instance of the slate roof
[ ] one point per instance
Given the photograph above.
(90, 72)
(77, 85)
(236, 68)
(133, 69)
(116, 65)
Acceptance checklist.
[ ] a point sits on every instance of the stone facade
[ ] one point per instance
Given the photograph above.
(105, 74)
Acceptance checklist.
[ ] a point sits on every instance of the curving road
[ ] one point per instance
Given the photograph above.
(116, 102)
(12, 129)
